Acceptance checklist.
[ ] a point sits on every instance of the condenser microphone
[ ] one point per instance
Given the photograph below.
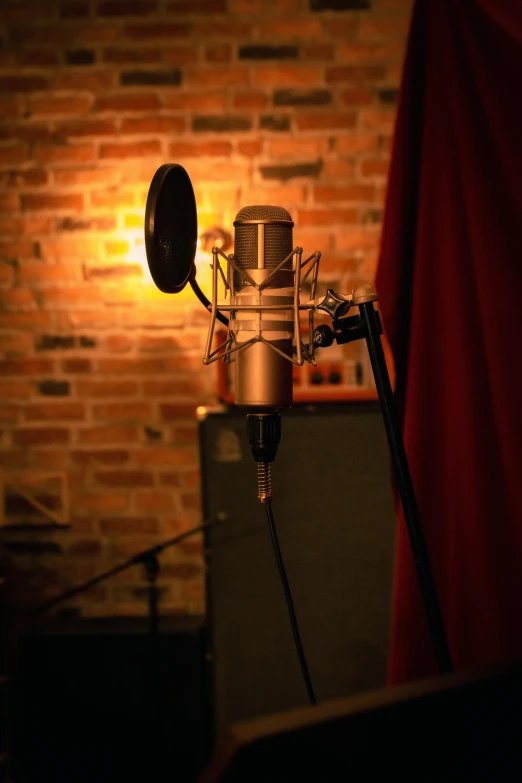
(263, 369)
(262, 280)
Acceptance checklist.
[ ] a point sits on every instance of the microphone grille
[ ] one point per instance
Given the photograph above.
(278, 237)
(263, 212)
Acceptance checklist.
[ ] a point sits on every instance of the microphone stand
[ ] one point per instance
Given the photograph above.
(368, 326)
(148, 558)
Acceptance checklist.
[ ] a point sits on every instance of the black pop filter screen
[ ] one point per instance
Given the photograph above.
(171, 228)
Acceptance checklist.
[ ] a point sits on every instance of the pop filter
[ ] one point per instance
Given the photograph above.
(171, 228)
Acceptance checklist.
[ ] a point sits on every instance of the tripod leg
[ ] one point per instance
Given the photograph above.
(405, 486)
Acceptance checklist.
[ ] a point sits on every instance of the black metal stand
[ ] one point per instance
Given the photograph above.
(149, 558)
(368, 326)
(151, 563)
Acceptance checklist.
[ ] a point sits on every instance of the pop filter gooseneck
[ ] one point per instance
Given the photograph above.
(171, 232)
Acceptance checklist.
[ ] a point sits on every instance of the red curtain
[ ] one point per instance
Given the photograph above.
(450, 282)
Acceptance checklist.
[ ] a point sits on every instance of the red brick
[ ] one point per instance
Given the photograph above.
(250, 101)
(172, 411)
(287, 75)
(170, 479)
(11, 225)
(103, 502)
(32, 436)
(123, 388)
(29, 132)
(380, 121)
(52, 105)
(48, 459)
(39, 319)
(215, 28)
(134, 149)
(297, 28)
(62, 153)
(297, 147)
(154, 124)
(370, 52)
(22, 83)
(197, 7)
(325, 120)
(354, 192)
(84, 546)
(86, 176)
(13, 458)
(119, 434)
(76, 365)
(118, 342)
(13, 154)
(122, 411)
(38, 57)
(9, 202)
(339, 27)
(200, 148)
(357, 97)
(317, 51)
(279, 194)
(26, 367)
(69, 296)
(375, 168)
(155, 501)
(338, 169)
(9, 414)
(250, 148)
(7, 275)
(180, 55)
(112, 198)
(191, 500)
(12, 343)
(74, 9)
(125, 478)
(94, 81)
(356, 73)
(17, 249)
(15, 390)
(186, 434)
(323, 217)
(353, 144)
(218, 53)
(73, 411)
(126, 8)
(96, 127)
(38, 225)
(218, 76)
(53, 201)
(116, 247)
(171, 386)
(125, 56)
(131, 366)
(182, 570)
(159, 456)
(145, 32)
(31, 177)
(145, 525)
(18, 299)
(99, 456)
(142, 101)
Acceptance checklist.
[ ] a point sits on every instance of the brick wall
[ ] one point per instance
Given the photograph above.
(289, 102)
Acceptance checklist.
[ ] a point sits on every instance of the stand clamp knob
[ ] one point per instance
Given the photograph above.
(323, 336)
(335, 305)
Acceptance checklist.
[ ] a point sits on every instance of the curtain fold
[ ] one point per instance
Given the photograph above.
(450, 285)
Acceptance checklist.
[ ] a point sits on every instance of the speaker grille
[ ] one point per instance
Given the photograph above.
(278, 238)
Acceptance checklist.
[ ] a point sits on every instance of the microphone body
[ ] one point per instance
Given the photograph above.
(263, 239)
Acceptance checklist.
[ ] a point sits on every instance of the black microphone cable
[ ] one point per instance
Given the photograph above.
(290, 605)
